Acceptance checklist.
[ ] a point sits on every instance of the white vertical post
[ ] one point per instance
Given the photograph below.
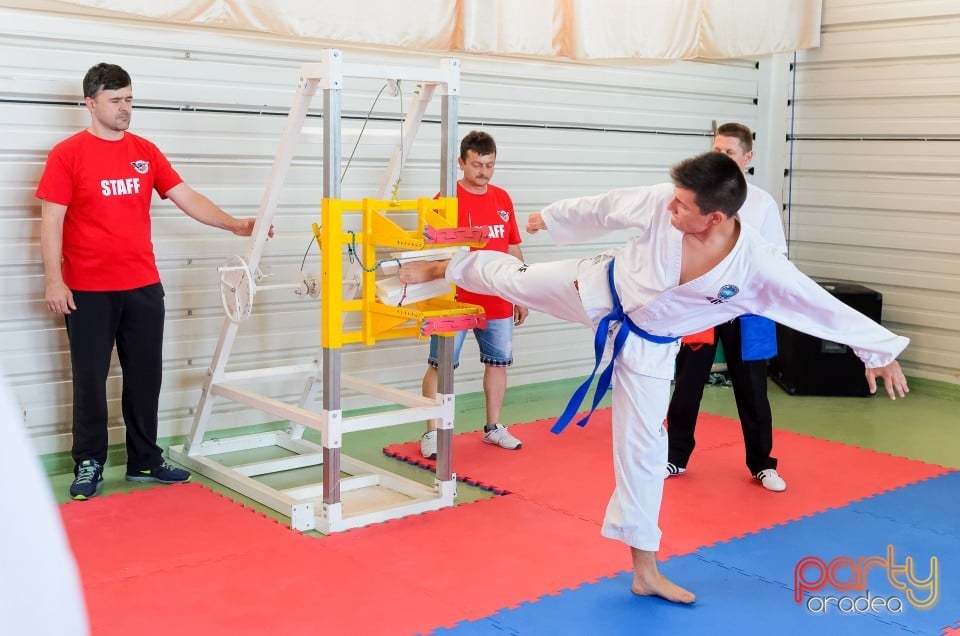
(773, 94)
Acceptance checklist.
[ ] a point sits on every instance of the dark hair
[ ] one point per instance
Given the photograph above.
(104, 77)
(479, 142)
(739, 131)
(715, 179)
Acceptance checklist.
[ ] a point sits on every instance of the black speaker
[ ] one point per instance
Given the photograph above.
(806, 365)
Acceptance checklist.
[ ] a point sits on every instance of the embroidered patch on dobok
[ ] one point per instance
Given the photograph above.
(726, 293)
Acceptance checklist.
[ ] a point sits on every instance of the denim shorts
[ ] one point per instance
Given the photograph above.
(495, 342)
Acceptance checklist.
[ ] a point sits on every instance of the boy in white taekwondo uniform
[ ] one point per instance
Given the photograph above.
(691, 265)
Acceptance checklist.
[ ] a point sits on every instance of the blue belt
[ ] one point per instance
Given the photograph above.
(627, 327)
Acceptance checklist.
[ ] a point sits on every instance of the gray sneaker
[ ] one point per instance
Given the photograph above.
(502, 438)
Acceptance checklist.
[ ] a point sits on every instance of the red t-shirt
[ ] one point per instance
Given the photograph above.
(495, 209)
(107, 187)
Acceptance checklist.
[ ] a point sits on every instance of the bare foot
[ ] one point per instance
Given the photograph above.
(658, 585)
(647, 580)
(422, 271)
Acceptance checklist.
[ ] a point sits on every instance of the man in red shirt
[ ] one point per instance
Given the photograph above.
(482, 204)
(101, 274)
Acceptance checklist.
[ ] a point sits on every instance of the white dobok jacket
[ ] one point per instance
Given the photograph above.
(754, 278)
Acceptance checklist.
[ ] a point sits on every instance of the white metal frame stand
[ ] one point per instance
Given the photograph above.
(320, 505)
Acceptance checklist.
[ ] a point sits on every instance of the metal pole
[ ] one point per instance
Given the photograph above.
(449, 147)
(331, 357)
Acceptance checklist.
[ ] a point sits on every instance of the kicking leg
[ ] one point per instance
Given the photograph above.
(546, 287)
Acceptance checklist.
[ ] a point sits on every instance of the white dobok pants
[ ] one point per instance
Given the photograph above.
(639, 400)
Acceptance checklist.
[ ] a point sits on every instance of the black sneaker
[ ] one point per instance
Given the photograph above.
(164, 473)
(88, 478)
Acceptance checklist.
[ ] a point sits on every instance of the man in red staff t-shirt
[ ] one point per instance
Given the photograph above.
(102, 276)
(482, 204)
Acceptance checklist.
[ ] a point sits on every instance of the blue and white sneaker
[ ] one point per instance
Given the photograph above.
(164, 474)
(88, 478)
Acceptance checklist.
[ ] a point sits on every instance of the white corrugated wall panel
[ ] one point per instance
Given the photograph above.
(876, 167)
(216, 102)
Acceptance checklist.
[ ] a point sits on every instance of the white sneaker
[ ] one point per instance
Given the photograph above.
(771, 480)
(673, 470)
(428, 445)
(502, 438)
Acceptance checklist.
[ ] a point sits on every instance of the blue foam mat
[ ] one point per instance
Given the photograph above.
(746, 585)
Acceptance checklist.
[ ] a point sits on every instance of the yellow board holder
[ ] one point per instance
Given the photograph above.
(436, 228)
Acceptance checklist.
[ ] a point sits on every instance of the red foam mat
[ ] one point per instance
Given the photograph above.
(486, 555)
(716, 499)
(131, 534)
(185, 560)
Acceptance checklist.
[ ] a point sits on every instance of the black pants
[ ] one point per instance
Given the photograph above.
(749, 388)
(133, 320)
